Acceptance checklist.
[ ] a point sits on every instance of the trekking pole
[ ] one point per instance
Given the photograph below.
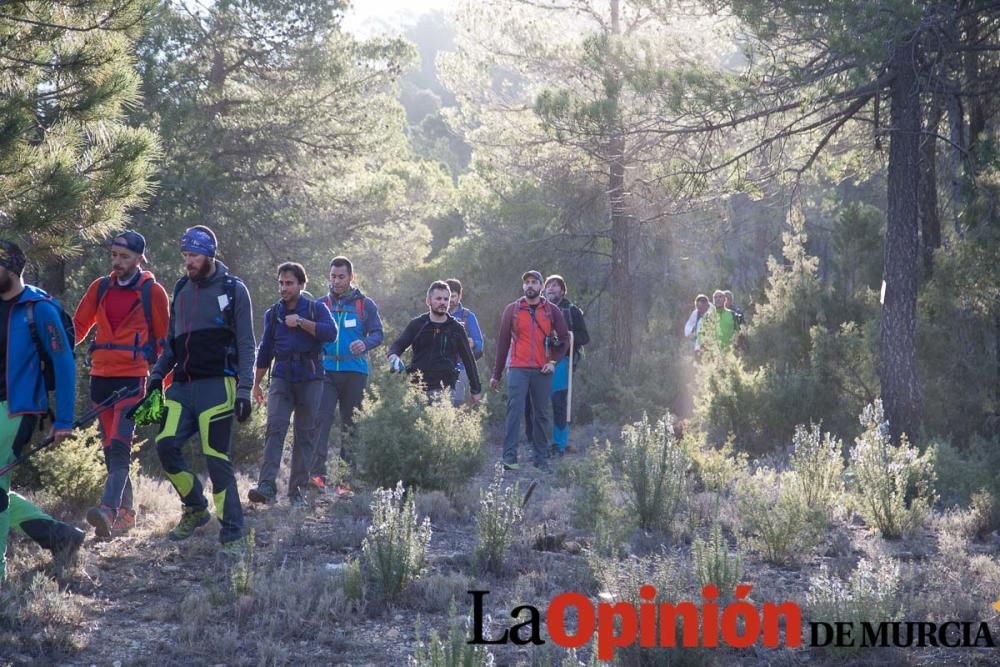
(569, 385)
(84, 419)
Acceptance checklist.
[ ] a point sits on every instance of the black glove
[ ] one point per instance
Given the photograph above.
(242, 409)
(153, 384)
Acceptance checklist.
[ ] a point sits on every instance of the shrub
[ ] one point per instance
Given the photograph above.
(870, 594)
(499, 514)
(819, 467)
(656, 469)
(74, 469)
(401, 437)
(596, 506)
(776, 519)
(714, 563)
(394, 548)
(454, 652)
(719, 467)
(892, 487)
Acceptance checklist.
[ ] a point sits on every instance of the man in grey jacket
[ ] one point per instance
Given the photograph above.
(210, 348)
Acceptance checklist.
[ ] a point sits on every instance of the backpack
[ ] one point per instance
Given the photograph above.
(48, 369)
(312, 309)
(146, 298)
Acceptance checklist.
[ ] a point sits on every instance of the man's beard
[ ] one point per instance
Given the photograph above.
(202, 273)
(6, 284)
(531, 293)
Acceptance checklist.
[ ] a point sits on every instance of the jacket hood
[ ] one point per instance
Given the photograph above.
(32, 293)
(353, 295)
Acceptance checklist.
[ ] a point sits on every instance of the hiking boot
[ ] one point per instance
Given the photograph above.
(66, 543)
(297, 500)
(511, 466)
(318, 484)
(570, 449)
(343, 491)
(266, 492)
(192, 519)
(555, 451)
(233, 551)
(543, 467)
(102, 519)
(124, 521)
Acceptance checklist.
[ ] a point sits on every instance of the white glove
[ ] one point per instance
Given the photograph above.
(396, 364)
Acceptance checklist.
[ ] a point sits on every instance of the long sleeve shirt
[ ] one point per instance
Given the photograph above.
(437, 347)
(295, 352)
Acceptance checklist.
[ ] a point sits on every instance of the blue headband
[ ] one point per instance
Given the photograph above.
(198, 241)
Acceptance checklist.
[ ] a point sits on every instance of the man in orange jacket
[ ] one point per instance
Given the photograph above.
(533, 339)
(130, 310)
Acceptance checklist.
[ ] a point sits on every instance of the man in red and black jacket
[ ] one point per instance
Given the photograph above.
(533, 338)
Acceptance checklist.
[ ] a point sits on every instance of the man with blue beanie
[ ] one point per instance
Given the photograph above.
(210, 348)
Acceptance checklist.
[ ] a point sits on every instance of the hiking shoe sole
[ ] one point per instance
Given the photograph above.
(99, 520)
(511, 466)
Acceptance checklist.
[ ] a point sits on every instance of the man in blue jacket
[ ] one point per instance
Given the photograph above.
(24, 399)
(467, 318)
(295, 329)
(345, 362)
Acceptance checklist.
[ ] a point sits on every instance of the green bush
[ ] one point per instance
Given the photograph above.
(455, 651)
(776, 519)
(871, 593)
(596, 504)
(656, 471)
(73, 470)
(818, 463)
(714, 563)
(400, 437)
(499, 516)
(892, 487)
(393, 550)
(718, 467)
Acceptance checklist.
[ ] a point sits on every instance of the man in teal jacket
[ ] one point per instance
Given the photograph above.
(24, 399)
(345, 362)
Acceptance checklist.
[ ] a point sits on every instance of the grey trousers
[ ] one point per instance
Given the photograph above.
(284, 398)
(520, 383)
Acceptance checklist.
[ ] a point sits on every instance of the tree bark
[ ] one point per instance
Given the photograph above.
(621, 277)
(621, 233)
(901, 391)
(930, 220)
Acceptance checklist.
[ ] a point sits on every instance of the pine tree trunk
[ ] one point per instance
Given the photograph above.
(901, 392)
(621, 237)
(930, 220)
(621, 278)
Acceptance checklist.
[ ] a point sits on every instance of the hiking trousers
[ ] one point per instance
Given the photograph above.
(560, 406)
(523, 383)
(203, 406)
(345, 389)
(283, 399)
(16, 511)
(117, 431)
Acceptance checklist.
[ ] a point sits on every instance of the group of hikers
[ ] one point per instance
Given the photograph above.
(191, 364)
(720, 318)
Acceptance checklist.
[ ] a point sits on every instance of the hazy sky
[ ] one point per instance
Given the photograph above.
(372, 16)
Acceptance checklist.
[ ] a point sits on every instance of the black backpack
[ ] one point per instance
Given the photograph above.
(48, 369)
